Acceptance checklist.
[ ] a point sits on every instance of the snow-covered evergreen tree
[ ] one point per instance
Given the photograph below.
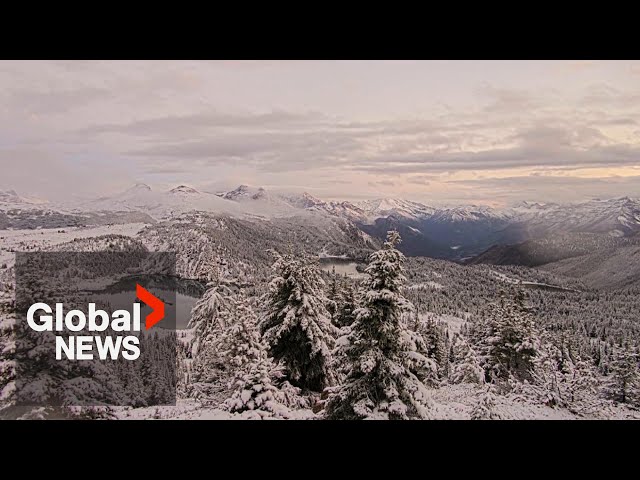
(342, 301)
(209, 315)
(435, 337)
(381, 350)
(623, 382)
(506, 340)
(560, 380)
(297, 326)
(240, 345)
(212, 315)
(466, 368)
(485, 407)
(255, 378)
(254, 390)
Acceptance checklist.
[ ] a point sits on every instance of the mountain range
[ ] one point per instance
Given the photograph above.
(456, 233)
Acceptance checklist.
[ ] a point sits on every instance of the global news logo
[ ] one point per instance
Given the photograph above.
(81, 347)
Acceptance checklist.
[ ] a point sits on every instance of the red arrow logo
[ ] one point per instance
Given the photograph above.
(157, 306)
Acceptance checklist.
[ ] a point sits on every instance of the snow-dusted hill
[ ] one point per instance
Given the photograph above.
(178, 200)
(603, 268)
(9, 199)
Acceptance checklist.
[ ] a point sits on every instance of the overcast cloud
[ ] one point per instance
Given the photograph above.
(438, 132)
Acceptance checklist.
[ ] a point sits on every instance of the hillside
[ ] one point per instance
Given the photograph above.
(549, 249)
(617, 268)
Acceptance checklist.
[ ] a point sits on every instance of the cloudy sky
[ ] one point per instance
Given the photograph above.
(489, 132)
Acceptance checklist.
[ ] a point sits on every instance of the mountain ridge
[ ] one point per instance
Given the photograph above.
(456, 233)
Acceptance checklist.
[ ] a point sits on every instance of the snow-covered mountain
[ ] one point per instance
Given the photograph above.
(616, 216)
(386, 207)
(183, 191)
(143, 198)
(472, 213)
(454, 232)
(244, 193)
(259, 201)
(303, 200)
(342, 209)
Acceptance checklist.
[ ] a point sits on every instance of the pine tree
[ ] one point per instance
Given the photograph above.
(209, 315)
(435, 337)
(240, 346)
(506, 340)
(560, 380)
(623, 382)
(485, 408)
(346, 313)
(297, 327)
(333, 295)
(381, 350)
(466, 368)
(210, 318)
(254, 379)
(254, 390)
(342, 302)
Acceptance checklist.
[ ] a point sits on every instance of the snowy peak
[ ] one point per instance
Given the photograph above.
(345, 210)
(385, 207)
(183, 190)
(311, 200)
(303, 200)
(471, 213)
(259, 201)
(141, 198)
(245, 192)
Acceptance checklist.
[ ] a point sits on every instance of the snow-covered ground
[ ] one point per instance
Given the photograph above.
(193, 410)
(450, 402)
(458, 401)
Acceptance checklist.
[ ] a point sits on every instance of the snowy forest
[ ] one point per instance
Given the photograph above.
(281, 336)
(369, 349)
